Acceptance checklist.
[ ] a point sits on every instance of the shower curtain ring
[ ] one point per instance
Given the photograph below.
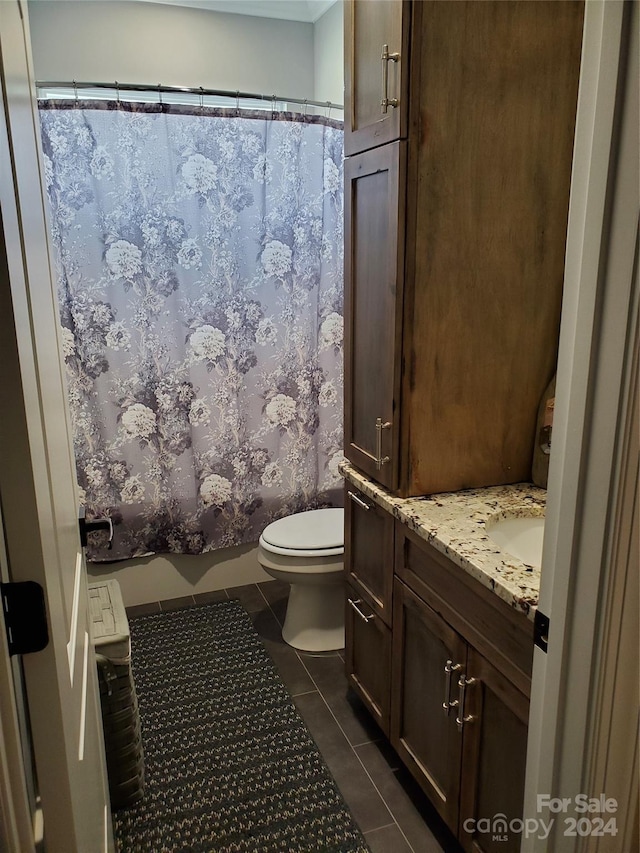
(237, 102)
(159, 95)
(75, 91)
(201, 99)
(327, 114)
(304, 113)
(273, 106)
(117, 93)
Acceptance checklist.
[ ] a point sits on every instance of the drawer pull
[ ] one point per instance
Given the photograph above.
(359, 501)
(355, 604)
(461, 719)
(447, 705)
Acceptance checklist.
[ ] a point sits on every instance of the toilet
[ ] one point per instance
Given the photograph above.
(306, 551)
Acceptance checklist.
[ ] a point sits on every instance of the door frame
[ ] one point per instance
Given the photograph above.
(598, 330)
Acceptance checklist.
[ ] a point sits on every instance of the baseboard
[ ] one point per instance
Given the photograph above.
(165, 576)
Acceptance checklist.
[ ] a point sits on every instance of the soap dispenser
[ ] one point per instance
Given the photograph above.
(542, 445)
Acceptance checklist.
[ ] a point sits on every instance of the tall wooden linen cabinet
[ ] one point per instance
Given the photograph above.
(459, 124)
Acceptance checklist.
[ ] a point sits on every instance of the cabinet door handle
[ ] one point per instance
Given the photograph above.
(355, 604)
(461, 719)
(450, 667)
(386, 101)
(358, 501)
(380, 460)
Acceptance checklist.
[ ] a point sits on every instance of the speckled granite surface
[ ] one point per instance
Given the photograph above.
(454, 524)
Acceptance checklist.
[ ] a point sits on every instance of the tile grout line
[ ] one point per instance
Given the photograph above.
(273, 613)
(162, 610)
(377, 829)
(263, 596)
(360, 760)
(293, 695)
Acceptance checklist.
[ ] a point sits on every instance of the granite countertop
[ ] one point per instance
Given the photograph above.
(454, 524)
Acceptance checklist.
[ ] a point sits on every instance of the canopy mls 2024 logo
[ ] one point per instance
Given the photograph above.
(580, 815)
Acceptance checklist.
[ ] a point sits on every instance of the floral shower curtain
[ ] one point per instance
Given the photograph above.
(199, 260)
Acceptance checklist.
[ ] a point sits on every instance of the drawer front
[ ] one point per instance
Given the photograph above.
(476, 613)
(369, 532)
(368, 656)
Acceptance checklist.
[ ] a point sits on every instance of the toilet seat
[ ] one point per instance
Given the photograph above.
(315, 533)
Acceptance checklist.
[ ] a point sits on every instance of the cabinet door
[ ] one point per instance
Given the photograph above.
(490, 172)
(368, 550)
(374, 258)
(494, 757)
(375, 87)
(423, 724)
(368, 656)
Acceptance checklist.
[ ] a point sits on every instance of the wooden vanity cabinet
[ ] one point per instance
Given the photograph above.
(455, 236)
(481, 617)
(368, 559)
(444, 666)
(465, 745)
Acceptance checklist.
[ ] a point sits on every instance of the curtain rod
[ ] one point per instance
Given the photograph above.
(190, 90)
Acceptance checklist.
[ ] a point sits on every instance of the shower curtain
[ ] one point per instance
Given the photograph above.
(199, 263)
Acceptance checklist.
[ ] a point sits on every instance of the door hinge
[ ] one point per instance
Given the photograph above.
(541, 630)
(25, 617)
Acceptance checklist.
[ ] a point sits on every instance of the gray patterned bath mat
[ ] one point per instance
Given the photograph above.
(229, 763)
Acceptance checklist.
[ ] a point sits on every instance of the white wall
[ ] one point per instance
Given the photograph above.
(328, 56)
(151, 43)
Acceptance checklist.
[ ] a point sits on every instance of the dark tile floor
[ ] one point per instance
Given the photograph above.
(387, 804)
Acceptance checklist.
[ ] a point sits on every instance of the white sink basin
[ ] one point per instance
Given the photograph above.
(520, 537)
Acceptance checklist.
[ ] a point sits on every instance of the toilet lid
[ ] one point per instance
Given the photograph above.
(318, 532)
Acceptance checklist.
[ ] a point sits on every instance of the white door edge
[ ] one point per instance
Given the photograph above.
(38, 479)
(595, 341)
(16, 827)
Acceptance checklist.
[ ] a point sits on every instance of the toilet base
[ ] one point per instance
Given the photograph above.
(315, 610)
(315, 617)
